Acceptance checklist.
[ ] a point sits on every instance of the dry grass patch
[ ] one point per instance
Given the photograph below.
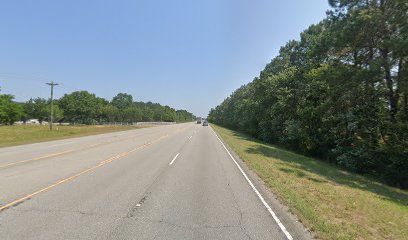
(333, 203)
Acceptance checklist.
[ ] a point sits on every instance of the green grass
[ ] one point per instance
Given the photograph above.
(24, 134)
(333, 203)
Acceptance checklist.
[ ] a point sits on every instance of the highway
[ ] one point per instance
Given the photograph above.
(168, 182)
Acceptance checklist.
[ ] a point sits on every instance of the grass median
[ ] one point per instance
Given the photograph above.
(333, 203)
(25, 134)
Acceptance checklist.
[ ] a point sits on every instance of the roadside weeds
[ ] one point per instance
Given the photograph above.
(333, 203)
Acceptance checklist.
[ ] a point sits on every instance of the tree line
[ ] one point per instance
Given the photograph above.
(82, 107)
(339, 93)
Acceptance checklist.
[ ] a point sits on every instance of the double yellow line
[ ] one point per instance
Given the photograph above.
(107, 161)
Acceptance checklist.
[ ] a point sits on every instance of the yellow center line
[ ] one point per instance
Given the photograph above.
(72, 150)
(35, 159)
(61, 153)
(107, 161)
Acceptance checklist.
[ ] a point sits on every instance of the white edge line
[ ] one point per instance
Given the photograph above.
(282, 227)
(174, 159)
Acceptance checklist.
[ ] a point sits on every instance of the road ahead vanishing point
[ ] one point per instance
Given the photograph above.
(168, 182)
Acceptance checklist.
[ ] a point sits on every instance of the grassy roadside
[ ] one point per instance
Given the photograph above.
(333, 203)
(17, 135)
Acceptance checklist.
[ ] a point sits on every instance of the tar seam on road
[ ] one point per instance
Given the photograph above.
(174, 159)
(109, 160)
(282, 227)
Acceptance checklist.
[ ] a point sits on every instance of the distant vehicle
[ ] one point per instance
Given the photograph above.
(205, 123)
(199, 120)
(33, 121)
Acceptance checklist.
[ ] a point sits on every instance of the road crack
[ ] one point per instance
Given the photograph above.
(236, 205)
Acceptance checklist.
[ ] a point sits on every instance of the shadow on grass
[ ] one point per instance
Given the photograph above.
(301, 165)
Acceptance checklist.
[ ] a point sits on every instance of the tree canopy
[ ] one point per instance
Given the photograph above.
(9, 110)
(86, 108)
(339, 93)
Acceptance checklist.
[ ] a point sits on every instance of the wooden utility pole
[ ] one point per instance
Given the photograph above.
(52, 84)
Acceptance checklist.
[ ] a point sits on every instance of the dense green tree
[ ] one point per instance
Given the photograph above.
(37, 108)
(86, 108)
(122, 101)
(82, 107)
(58, 115)
(9, 110)
(132, 114)
(110, 113)
(340, 93)
(184, 116)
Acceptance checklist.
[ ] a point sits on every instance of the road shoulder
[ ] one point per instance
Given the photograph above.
(288, 219)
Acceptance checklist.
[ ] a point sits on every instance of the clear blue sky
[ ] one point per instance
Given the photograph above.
(182, 53)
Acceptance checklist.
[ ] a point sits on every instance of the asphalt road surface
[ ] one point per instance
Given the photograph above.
(169, 182)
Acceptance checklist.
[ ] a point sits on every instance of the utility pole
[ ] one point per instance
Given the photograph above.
(52, 84)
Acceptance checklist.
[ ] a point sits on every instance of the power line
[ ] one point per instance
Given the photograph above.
(70, 87)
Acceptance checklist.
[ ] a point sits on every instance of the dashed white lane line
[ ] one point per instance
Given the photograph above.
(282, 227)
(174, 159)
